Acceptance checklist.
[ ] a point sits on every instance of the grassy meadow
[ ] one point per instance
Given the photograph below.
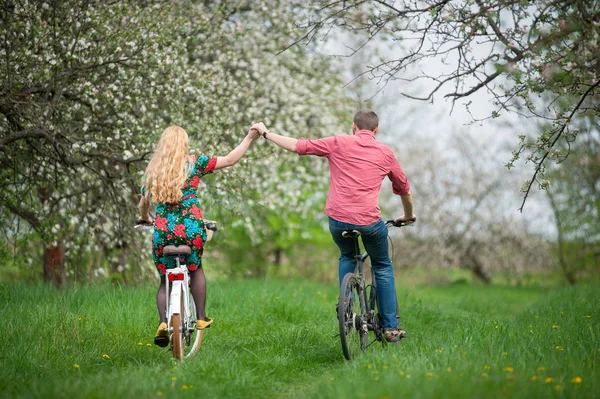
(274, 339)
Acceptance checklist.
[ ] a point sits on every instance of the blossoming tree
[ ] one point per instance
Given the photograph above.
(86, 88)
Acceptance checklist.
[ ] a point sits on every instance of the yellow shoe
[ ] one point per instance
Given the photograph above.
(202, 324)
(162, 335)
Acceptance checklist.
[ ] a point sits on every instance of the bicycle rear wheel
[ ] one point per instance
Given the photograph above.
(352, 338)
(177, 338)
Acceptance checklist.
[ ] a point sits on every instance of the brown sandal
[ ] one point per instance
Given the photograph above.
(394, 335)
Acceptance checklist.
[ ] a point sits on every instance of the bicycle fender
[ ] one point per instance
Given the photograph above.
(175, 299)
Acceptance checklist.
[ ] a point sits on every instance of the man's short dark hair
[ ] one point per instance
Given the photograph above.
(366, 120)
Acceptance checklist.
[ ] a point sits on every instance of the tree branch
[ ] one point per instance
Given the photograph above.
(559, 132)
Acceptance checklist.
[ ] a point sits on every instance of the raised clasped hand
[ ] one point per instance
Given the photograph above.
(253, 133)
(260, 127)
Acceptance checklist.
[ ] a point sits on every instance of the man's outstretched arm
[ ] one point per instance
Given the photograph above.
(287, 143)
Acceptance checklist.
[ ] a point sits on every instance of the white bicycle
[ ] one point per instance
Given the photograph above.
(185, 338)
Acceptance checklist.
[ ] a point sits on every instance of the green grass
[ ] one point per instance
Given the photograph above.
(273, 339)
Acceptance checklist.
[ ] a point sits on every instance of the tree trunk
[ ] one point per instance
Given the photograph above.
(278, 255)
(564, 267)
(471, 262)
(54, 264)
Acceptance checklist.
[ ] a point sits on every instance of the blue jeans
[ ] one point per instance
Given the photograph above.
(375, 240)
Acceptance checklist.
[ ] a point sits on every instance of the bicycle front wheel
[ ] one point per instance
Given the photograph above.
(352, 336)
(193, 337)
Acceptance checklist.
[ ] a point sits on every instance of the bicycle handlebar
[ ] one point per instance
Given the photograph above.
(401, 223)
(143, 224)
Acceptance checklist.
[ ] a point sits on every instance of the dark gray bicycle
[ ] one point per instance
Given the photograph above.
(357, 306)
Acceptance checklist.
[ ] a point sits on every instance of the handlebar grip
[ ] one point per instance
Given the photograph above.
(211, 225)
(402, 222)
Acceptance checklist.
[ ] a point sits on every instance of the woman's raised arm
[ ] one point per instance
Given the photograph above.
(238, 152)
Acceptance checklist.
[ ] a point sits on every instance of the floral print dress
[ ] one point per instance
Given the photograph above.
(181, 223)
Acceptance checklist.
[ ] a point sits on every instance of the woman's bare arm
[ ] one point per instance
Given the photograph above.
(144, 208)
(238, 152)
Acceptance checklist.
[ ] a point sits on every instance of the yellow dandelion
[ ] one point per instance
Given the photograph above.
(407, 375)
(534, 378)
(560, 348)
(106, 356)
(401, 372)
(368, 366)
(587, 316)
(554, 326)
(486, 367)
(576, 380)
(76, 366)
(149, 345)
(541, 368)
(508, 369)
(140, 344)
(173, 378)
(80, 318)
(549, 380)
(185, 387)
(496, 326)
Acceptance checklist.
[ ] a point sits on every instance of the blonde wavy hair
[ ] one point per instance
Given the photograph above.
(168, 168)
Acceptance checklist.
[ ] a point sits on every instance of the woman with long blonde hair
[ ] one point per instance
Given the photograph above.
(171, 181)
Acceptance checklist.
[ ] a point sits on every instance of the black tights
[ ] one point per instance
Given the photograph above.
(198, 288)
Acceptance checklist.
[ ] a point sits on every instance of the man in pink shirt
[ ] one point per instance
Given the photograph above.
(358, 164)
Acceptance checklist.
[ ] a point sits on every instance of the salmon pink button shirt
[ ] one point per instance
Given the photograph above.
(357, 167)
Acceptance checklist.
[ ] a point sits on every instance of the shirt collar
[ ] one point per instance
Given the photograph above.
(365, 131)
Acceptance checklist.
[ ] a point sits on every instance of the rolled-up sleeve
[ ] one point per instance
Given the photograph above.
(319, 147)
(400, 184)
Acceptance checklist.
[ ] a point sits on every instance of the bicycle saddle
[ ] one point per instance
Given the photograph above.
(176, 250)
(350, 233)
